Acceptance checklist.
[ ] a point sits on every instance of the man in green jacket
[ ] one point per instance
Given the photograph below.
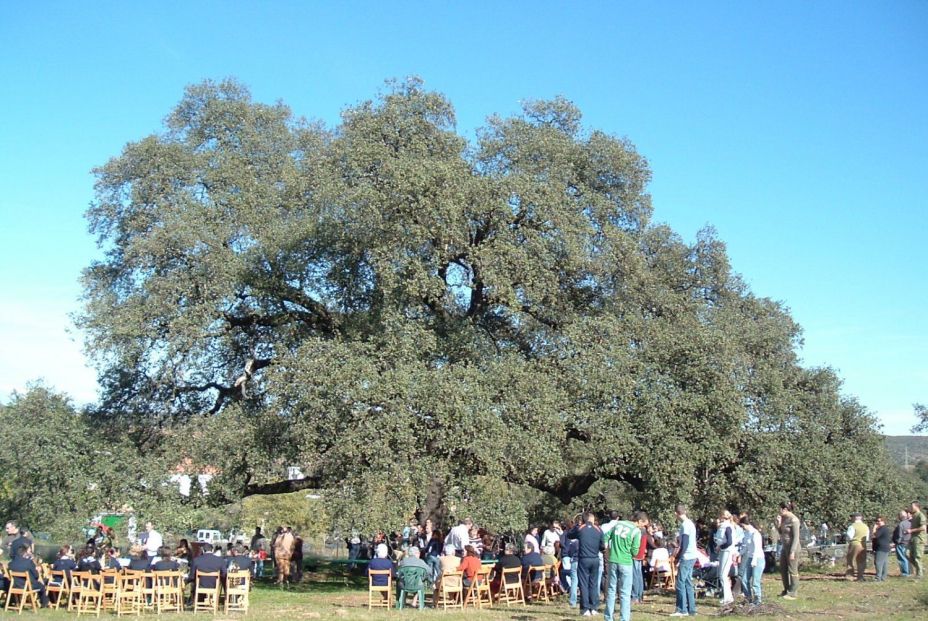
(857, 536)
(919, 536)
(623, 542)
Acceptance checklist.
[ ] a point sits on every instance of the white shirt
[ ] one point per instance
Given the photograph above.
(153, 542)
(758, 545)
(550, 538)
(459, 536)
(531, 540)
(660, 559)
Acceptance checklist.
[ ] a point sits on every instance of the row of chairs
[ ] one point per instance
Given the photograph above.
(131, 592)
(450, 591)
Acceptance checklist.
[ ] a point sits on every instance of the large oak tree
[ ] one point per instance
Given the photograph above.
(417, 320)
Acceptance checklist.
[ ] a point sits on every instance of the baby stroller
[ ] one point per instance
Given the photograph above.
(706, 576)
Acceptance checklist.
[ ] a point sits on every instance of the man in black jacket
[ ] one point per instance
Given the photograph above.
(882, 543)
(22, 562)
(207, 562)
(590, 540)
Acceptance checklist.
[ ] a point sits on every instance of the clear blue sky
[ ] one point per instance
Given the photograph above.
(799, 130)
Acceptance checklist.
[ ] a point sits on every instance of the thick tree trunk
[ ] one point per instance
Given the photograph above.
(433, 506)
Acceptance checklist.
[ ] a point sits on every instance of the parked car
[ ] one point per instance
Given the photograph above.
(210, 536)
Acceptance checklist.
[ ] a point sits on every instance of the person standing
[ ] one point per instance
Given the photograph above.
(857, 537)
(685, 558)
(624, 540)
(459, 536)
(638, 562)
(901, 539)
(11, 535)
(918, 533)
(590, 544)
(259, 549)
(552, 537)
(283, 551)
(296, 559)
(570, 557)
(152, 540)
(789, 550)
(531, 539)
(724, 541)
(882, 542)
(752, 555)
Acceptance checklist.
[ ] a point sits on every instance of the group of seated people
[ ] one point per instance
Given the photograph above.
(108, 562)
(450, 565)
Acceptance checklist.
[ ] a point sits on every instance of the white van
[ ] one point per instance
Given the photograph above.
(212, 537)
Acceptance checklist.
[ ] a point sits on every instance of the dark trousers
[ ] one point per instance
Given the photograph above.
(789, 573)
(587, 573)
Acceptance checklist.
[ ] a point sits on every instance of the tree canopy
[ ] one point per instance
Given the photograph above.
(417, 320)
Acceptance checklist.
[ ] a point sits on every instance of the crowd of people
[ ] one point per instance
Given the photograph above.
(612, 558)
(586, 558)
(149, 553)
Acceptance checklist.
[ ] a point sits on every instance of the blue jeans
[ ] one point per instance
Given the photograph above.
(903, 559)
(637, 581)
(624, 575)
(434, 566)
(751, 586)
(744, 576)
(686, 594)
(572, 580)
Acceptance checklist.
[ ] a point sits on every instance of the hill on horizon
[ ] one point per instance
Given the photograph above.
(917, 449)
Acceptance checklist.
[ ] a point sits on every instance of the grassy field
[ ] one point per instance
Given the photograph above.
(822, 596)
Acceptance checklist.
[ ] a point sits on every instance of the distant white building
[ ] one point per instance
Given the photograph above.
(184, 475)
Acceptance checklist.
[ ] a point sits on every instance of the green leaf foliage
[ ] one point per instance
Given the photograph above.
(420, 322)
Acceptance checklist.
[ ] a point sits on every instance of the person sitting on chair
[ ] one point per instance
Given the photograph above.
(531, 558)
(166, 562)
(208, 562)
(239, 560)
(412, 560)
(138, 559)
(22, 562)
(660, 557)
(87, 560)
(507, 561)
(65, 562)
(470, 565)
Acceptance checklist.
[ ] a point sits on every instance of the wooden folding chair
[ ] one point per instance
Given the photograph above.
(129, 593)
(536, 582)
(89, 590)
(238, 584)
(511, 592)
(450, 592)
(479, 593)
(169, 591)
(109, 586)
(25, 593)
(554, 580)
(58, 585)
(666, 580)
(379, 596)
(205, 598)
